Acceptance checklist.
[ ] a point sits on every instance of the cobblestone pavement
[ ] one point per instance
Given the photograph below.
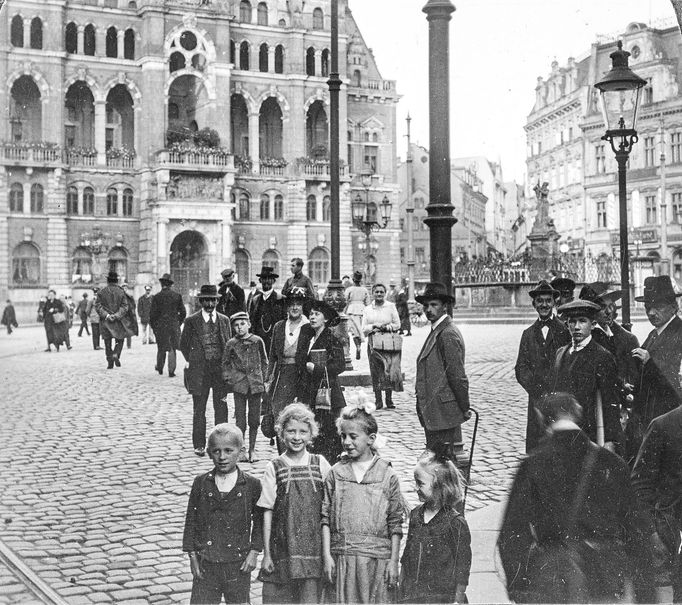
(97, 463)
(12, 589)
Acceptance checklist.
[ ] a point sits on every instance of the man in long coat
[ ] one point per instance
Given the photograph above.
(232, 299)
(537, 352)
(112, 306)
(204, 337)
(267, 307)
(442, 386)
(165, 317)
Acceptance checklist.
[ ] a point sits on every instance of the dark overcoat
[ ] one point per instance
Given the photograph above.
(193, 351)
(265, 314)
(56, 332)
(232, 299)
(112, 300)
(166, 315)
(144, 306)
(623, 342)
(534, 368)
(9, 317)
(130, 319)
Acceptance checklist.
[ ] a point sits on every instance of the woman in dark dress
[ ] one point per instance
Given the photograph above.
(54, 331)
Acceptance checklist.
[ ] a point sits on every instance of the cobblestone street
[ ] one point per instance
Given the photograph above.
(97, 464)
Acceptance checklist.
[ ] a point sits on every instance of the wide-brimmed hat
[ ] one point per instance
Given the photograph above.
(227, 272)
(329, 312)
(658, 289)
(564, 285)
(266, 272)
(543, 287)
(297, 294)
(357, 275)
(166, 279)
(580, 308)
(239, 315)
(208, 291)
(434, 290)
(598, 292)
(112, 277)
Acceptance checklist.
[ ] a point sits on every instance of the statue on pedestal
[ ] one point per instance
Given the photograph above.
(543, 236)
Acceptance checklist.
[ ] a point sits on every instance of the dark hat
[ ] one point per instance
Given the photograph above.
(434, 290)
(95, 289)
(297, 294)
(357, 275)
(564, 285)
(579, 308)
(208, 291)
(329, 312)
(147, 287)
(85, 294)
(267, 272)
(658, 289)
(239, 315)
(112, 277)
(543, 287)
(252, 284)
(166, 279)
(227, 272)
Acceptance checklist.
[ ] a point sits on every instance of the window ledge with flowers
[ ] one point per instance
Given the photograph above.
(121, 157)
(200, 148)
(82, 156)
(37, 151)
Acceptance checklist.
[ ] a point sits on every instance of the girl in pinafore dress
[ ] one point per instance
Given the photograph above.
(362, 514)
(292, 491)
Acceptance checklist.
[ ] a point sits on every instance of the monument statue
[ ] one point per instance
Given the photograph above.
(543, 236)
(542, 218)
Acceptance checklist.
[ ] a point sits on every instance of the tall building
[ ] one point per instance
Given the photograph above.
(181, 136)
(565, 149)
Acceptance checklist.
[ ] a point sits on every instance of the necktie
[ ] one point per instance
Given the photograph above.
(210, 319)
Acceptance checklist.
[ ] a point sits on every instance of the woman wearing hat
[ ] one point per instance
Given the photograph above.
(55, 331)
(358, 298)
(323, 364)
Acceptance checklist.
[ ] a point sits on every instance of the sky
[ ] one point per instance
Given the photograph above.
(498, 48)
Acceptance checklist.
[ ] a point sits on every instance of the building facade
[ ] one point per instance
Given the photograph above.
(154, 136)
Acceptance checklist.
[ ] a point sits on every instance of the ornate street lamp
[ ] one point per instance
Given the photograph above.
(620, 89)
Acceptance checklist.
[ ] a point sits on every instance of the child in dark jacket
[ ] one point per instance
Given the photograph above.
(223, 526)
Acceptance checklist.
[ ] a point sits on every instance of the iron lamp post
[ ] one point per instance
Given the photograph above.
(368, 217)
(620, 90)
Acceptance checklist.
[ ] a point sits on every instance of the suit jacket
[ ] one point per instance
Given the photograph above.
(193, 350)
(276, 354)
(166, 315)
(265, 314)
(232, 299)
(623, 341)
(335, 365)
(144, 306)
(112, 300)
(442, 386)
(584, 374)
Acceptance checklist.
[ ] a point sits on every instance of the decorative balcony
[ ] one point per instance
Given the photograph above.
(80, 156)
(317, 169)
(196, 158)
(121, 157)
(31, 153)
(273, 167)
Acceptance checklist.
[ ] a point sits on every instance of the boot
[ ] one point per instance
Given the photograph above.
(377, 399)
(389, 400)
(357, 341)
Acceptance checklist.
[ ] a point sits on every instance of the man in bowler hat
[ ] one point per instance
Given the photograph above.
(204, 337)
(166, 314)
(537, 351)
(442, 386)
(232, 299)
(267, 307)
(565, 286)
(112, 306)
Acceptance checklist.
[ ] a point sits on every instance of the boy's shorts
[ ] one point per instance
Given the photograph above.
(221, 580)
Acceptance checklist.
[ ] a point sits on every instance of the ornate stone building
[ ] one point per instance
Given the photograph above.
(181, 136)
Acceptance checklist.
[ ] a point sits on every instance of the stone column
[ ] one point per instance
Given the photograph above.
(80, 47)
(254, 140)
(161, 246)
(100, 127)
(271, 59)
(318, 62)
(227, 247)
(27, 197)
(27, 33)
(119, 43)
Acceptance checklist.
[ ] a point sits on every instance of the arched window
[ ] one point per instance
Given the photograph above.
(127, 201)
(244, 55)
(245, 11)
(262, 15)
(318, 266)
(271, 259)
(36, 33)
(325, 62)
(326, 208)
(263, 57)
(318, 19)
(357, 78)
(17, 31)
(89, 41)
(264, 207)
(111, 45)
(278, 213)
(118, 262)
(239, 125)
(72, 200)
(112, 202)
(81, 266)
(310, 61)
(279, 59)
(25, 265)
(372, 212)
(89, 201)
(317, 140)
(241, 266)
(16, 197)
(120, 118)
(129, 44)
(233, 52)
(71, 38)
(79, 128)
(37, 198)
(270, 129)
(244, 207)
(25, 110)
(177, 61)
(311, 208)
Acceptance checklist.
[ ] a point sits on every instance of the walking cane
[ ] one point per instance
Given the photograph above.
(600, 420)
(471, 457)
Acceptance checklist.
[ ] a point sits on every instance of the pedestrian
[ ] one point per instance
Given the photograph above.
(9, 317)
(566, 287)
(71, 307)
(131, 317)
(441, 384)
(144, 307)
(572, 529)
(231, 294)
(68, 310)
(55, 321)
(267, 306)
(299, 280)
(223, 533)
(166, 314)
(203, 342)
(346, 282)
(588, 371)
(362, 515)
(537, 352)
(291, 498)
(437, 556)
(82, 312)
(402, 305)
(245, 365)
(657, 479)
(93, 316)
(252, 291)
(112, 305)
(357, 298)
(392, 293)
(379, 320)
(41, 309)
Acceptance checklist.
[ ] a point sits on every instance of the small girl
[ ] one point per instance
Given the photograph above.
(362, 514)
(292, 491)
(437, 556)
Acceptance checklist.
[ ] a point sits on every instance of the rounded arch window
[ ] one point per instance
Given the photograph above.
(326, 208)
(36, 33)
(25, 265)
(199, 62)
(177, 62)
(318, 19)
(278, 210)
(310, 61)
(188, 40)
(112, 202)
(244, 206)
(262, 15)
(17, 31)
(311, 208)
(88, 201)
(245, 11)
(279, 59)
(71, 38)
(72, 200)
(129, 44)
(89, 40)
(318, 266)
(244, 55)
(37, 198)
(16, 197)
(112, 42)
(264, 207)
(263, 56)
(127, 201)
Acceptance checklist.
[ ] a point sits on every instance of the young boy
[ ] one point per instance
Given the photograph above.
(223, 526)
(245, 364)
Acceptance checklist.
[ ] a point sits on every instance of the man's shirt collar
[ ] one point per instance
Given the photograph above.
(439, 321)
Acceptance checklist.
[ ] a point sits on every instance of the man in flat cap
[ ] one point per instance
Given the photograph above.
(232, 299)
(537, 352)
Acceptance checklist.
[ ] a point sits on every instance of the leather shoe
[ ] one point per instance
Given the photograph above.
(357, 354)
(110, 365)
(117, 362)
(159, 370)
(199, 451)
(48, 350)
(97, 348)
(390, 406)
(171, 374)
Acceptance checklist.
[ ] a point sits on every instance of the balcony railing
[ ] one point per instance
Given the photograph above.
(121, 162)
(79, 157)
(318, 169)
(272, 170)
(196, 158)
(31, 153)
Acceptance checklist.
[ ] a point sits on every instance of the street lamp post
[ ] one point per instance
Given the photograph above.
(620, 89)
(409, 213)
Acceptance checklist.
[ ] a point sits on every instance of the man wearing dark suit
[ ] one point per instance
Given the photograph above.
(537, 352)
(570, 487)
(232, 299)
(565, 286)
(267, 307)
(166, 315)
(588, 372)
(442, 386)
(204, 337)
(112, 306)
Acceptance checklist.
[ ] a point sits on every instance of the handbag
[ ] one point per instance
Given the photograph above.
(323, 399)
(387, 341)
(59, 317)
